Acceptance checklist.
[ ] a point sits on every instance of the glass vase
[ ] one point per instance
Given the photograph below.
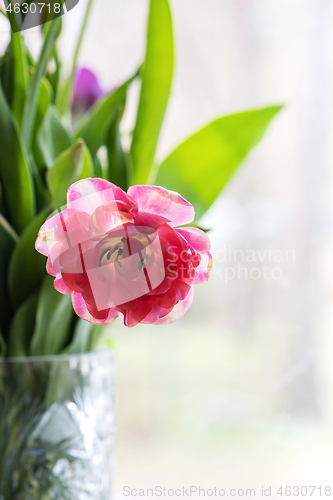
(56, 427)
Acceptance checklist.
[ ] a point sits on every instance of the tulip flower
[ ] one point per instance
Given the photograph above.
(121, 253)
(86, 90)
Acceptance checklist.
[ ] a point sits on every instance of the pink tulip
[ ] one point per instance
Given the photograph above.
(120, 253)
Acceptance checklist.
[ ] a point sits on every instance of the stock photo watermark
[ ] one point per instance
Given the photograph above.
(232, 264)
(26, 14)
(198, 491)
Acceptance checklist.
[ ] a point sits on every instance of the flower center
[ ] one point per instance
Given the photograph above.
(110, 255)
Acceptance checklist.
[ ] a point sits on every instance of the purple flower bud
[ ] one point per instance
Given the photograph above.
(86, 90)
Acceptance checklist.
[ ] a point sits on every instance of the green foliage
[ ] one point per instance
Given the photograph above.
(15, 174)
(31, 102)
(86, 336)
(26, 267)
(214, 153)
(28, 458)
(44, 100)
(6, 247)
(53, 138)
(6, 73)
(155, 89)
(22, 327)
(88, 165)
(53, 320)
(66, 169)
(20, 76)
(3, 346)
(118, 162)
(42, 154)
(94, 127)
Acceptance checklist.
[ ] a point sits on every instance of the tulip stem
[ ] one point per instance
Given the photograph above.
(80, 39)
(69, 83)
(9, 229)
(30, 108)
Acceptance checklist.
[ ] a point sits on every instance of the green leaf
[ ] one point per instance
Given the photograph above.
(22, 327)
(13, 19)
(27, 266)
(98, 169)
(58, 331)
(196, 225)
(3, 346)
(54, 77)
(94, 126)
(53, 138)
(53, 320)
(118, 168)
(81, 338)
(20, 76)
(96, 335)
(202, 165)
(66, 169)
(14, 170)
(6, 74)
(37, 161)
(30, 107)
(88, 165)
(65, 92)
(156, 86)
(9, 229)
(42, 196)
(44, 99)
(30, 59)
(6, 247)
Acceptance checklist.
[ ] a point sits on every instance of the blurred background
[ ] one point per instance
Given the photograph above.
(239, 393)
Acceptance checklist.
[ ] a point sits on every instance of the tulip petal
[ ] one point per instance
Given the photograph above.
(108, 217)
(80, 307)
(48, 234)
(132, 317)
(86, 89)
(201, 273)
(160, 201)
(178, 311)
(88, 194)
(156, 313)
(146, 219)
(195, 237)
(50, 269)
(61, 286)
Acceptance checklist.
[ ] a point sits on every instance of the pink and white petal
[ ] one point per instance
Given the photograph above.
(61, 286)
(133, 317)
(195, 237)
(88, 194)
(201, 273)
(178, 311)
(160, 201)
(109, 216)
(50, 269)
(80, 307)
(155, 314)
(50, 232)
(146, 219)
(75, 228)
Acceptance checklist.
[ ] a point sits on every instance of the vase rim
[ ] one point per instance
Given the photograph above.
(57, 357)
